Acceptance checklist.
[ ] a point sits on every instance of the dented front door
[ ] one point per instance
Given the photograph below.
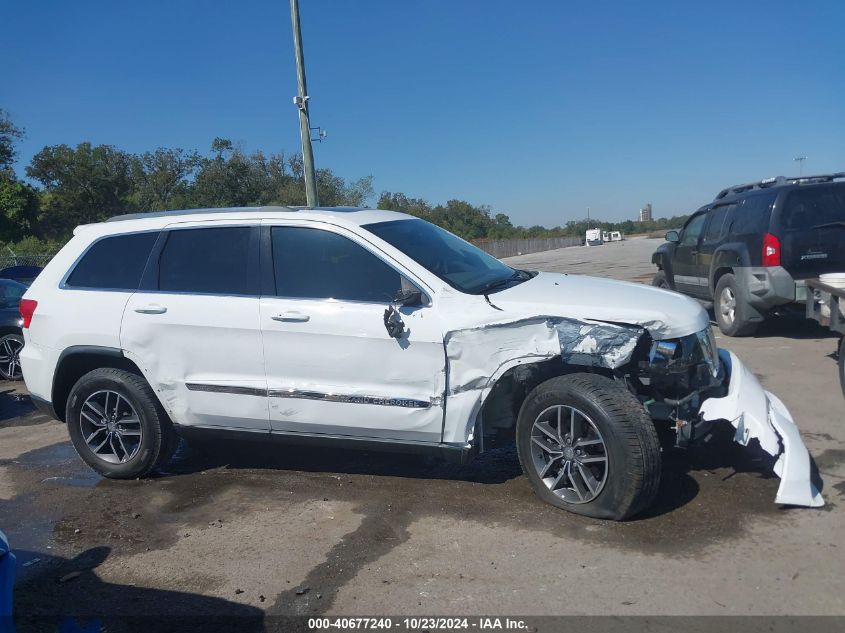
(332, 368)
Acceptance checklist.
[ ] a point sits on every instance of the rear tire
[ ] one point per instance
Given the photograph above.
(609, 421)
(733, 314)
(660, 280)
(117, 425)
(841, 355)
(10, 364)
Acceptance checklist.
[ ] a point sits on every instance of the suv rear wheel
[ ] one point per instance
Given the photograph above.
(117, 425)
(732, 312)
(587, 445)
(10, 364)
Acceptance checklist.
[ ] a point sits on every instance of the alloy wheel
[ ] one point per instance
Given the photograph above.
(569, 454)
(10, 357)
(727, 304)
(110, 427)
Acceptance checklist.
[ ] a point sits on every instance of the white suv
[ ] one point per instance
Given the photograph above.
(373, 329)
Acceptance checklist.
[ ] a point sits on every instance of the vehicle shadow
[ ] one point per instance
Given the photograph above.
(684, 471)
(789, 324)
(14, 404)
(494, 467)
(60, 594)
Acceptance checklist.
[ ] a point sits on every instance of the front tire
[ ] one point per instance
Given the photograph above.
(660, 281)
(587, 445)
(117, 425)
(733, 314)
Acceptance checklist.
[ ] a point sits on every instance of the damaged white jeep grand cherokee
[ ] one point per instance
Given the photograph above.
(375, 329)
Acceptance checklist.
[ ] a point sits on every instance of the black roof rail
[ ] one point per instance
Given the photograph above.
(778, 181)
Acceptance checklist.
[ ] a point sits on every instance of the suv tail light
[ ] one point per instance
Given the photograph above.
(771, 250)
(27, 309)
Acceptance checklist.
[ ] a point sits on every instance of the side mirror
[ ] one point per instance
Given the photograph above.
(408, 296)
(673, 236)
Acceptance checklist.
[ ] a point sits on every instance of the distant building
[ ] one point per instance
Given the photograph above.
(645, 213)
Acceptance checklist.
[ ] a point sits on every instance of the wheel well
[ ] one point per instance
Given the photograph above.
(720, 272)
(8, 329)
(73, 366)
(501, 408)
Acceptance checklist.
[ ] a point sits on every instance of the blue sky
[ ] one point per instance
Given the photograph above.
(537, 108)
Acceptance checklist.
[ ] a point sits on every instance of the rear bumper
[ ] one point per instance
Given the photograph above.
(768, 287)
(758, 414)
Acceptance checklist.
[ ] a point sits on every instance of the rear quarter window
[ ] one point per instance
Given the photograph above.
(752, 215)
(113, 263)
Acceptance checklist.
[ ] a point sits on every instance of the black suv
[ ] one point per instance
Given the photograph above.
(751, 249)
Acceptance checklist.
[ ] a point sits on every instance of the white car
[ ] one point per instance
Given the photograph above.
(374, 329)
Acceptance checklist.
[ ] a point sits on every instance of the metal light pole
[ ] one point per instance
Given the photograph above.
(301, 101)
(800, 160)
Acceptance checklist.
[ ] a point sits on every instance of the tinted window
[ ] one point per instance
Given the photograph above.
(458, 263)
(752, 215)
(815, 207)
(692, 230)
(11, 293)
(214, 261)
(114, 262)
(316, 264)
(719, 220)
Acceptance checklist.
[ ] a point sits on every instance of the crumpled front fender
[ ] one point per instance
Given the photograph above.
(759, 414)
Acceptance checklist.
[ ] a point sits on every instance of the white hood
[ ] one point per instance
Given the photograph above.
(665, 314)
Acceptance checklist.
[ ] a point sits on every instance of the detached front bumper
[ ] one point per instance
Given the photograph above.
(759, 414)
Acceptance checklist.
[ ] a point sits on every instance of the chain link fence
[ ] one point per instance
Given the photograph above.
(7, 261)
(512, 247)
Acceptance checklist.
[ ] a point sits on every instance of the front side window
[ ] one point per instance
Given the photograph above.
(207, 261)
(692, 230)
(458, 263)
(113, 263)
(316, 264)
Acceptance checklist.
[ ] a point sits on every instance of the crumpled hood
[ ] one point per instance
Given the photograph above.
(665, 314)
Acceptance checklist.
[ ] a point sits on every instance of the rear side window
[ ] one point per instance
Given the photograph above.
(317, 264)
(752, 215)
(208, 261)
(113, 263)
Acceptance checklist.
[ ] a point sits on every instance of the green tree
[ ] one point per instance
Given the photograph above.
(18, 209)
(82, 184)
(9, 136)
(402, 203)
(161, 179)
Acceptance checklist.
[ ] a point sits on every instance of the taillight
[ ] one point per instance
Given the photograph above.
(771, 250)
(27, 309)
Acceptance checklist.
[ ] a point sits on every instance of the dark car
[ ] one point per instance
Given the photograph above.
(752, 248)
(24, 273)
(11, 336)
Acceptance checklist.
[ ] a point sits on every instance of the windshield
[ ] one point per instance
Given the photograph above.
(458, 263)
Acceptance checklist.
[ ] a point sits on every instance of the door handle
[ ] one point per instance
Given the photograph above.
(291, 317)
(151, 309)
